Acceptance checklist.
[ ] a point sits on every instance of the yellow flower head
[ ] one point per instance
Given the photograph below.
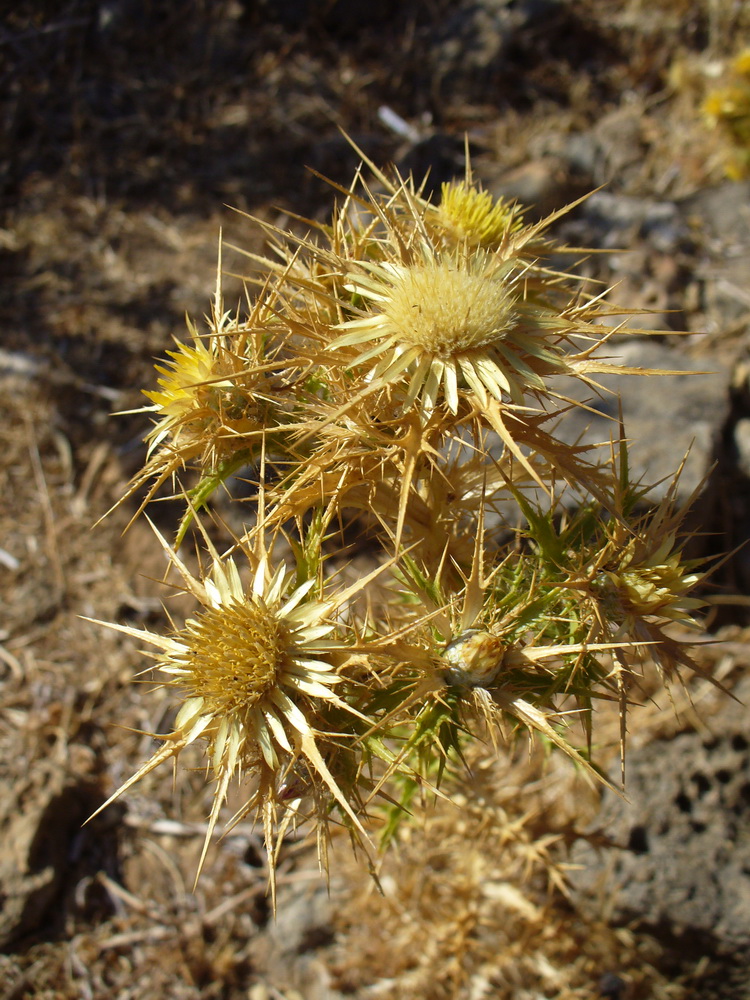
(209, 400)
(222, 399)
(256, 669)
(741, 64)
(727, 104)
(448, 319)
(727, 108)
(184, 380)
(475, 217)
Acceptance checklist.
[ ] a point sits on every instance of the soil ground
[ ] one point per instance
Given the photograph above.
(129, 127)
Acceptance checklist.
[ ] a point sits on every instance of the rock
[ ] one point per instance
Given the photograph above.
(613, 151)
(722, 211)
(651, 245)
(542, 186)
(675, 855)
(720, 219)
(616, 222)
(610, 153)
(666, 417)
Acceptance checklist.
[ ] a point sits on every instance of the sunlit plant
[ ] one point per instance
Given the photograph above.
(398, 374)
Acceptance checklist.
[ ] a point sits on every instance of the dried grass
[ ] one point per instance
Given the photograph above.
(128, 131)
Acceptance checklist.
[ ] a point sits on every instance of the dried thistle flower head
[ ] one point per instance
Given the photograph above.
(223, 399)
(474, 217)
(257, 671)
(444, 320)
(219, 394)
(615, 575)
(209, 399)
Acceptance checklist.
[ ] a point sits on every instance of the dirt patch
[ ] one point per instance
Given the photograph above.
(129, 126)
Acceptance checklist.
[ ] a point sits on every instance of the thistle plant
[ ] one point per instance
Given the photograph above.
(399, 372)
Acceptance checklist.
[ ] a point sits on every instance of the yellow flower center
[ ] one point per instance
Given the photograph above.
(475, 215)
(447, 311)
(235, 655)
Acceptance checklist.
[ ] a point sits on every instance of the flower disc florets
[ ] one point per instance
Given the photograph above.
(446, 309)
(234, 656)
(475, 216)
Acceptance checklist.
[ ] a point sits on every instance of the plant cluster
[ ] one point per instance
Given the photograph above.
(727, 110)
(399, 373)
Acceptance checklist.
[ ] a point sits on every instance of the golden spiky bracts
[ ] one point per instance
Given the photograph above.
(400, 369)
